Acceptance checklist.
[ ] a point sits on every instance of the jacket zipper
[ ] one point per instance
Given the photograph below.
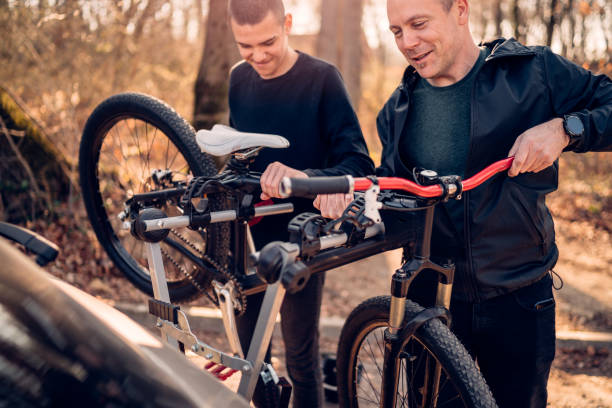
(471, 283)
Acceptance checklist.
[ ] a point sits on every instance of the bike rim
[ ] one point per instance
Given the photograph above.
(365, 375)
(131, 149)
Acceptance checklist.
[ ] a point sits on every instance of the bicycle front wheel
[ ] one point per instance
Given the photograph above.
(360, 361)
(133, 143)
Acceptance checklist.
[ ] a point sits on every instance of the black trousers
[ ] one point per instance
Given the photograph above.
(300, 314)
(512, 338)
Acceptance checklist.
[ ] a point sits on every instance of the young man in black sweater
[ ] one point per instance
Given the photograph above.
(279, 90)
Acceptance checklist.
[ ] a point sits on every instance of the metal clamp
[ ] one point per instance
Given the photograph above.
(371, 202)
(268, 374)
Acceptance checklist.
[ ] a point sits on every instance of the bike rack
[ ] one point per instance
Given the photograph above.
(176, 331)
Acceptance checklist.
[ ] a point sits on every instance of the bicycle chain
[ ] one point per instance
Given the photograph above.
(242, 299)
(188, 275)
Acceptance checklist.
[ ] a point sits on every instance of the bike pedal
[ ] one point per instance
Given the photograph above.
(219, 370)
(164, 310)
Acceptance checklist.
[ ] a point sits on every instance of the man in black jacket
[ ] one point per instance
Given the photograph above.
(459, 108)
(279, 90)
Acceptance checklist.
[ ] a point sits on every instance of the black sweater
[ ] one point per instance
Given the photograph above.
(310, 107)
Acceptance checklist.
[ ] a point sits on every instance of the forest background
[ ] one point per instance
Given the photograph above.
(63, 57)
(60, 58)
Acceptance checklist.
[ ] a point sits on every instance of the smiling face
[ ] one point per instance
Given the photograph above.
(265, 45)
(433, 39)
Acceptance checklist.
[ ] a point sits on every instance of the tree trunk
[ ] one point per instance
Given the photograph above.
(147, 14)
(212, 82)
(341, 40)
(484, 20)
(583, 34)
(607, 33)
(34, 173)
(328, 40)
(517, 21)
(550, 27)
(498, 17)
(572, 18)
(352, 48)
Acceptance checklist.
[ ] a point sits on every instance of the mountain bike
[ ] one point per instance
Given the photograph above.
(392, 352)
(136, 152)
(141, 163)
(417, 359)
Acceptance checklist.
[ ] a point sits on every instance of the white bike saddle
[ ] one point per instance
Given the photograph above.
(222, 140)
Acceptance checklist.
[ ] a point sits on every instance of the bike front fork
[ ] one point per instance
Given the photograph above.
(397, 333)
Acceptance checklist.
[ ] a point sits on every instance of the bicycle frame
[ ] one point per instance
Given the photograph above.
(330, 254)
(253, 364)
(176, 331)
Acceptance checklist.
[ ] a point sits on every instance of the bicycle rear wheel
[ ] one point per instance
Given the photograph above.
(134, 143)
(361, 354)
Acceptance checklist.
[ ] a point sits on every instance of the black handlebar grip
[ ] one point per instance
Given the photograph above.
(313, 186)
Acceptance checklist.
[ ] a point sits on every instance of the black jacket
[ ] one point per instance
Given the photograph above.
(509, 237)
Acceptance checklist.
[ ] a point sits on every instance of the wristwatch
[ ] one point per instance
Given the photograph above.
(574, 129)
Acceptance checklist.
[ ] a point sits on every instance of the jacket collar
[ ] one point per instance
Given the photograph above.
(499, 48)
(506, 48)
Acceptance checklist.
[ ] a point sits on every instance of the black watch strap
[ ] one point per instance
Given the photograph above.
(574, 129)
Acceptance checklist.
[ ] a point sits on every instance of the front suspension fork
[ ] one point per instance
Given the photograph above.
(397, 332)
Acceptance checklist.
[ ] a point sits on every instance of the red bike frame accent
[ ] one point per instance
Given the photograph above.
(397, 183)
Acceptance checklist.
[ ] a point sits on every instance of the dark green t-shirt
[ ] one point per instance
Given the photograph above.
(437, 132)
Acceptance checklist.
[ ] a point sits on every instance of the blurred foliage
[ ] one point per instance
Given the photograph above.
(65, 58)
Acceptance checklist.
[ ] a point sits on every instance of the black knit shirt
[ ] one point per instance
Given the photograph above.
(310, 107)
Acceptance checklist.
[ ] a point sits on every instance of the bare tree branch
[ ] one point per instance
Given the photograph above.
(37, 191)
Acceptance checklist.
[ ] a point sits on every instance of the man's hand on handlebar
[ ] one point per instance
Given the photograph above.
(538, 147)
(332, 205)
(271, 178)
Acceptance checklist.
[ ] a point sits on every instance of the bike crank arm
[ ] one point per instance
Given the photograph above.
(226, 296)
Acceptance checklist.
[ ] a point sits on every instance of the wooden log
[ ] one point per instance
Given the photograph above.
(34, 174)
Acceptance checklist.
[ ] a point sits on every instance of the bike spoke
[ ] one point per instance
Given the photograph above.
(173, 158)
(373, 356)
(415, 377)
(167, 149)
(367, 376)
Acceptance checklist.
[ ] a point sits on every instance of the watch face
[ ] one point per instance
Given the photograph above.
(574, 125)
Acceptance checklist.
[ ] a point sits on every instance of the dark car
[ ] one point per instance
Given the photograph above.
(60, 347)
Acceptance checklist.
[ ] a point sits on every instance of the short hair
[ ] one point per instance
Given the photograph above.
(447, 4)
(254, 11)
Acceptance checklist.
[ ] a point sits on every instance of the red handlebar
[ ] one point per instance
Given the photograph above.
(396, 183)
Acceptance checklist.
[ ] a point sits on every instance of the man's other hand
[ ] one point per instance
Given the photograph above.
(332, 205)
(538, 147)
(271, 178)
